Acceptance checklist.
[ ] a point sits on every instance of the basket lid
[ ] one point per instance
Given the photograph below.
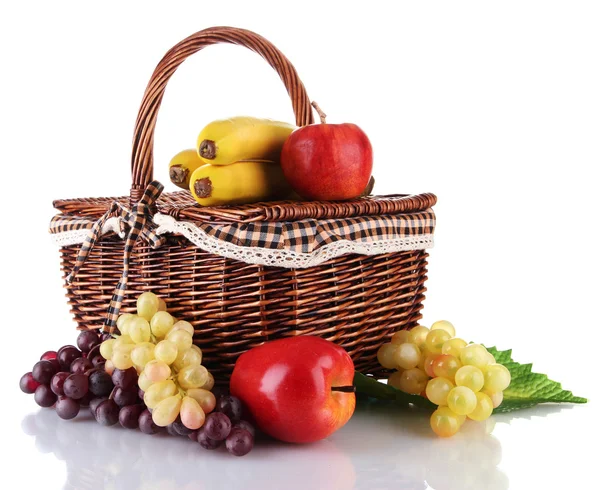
(181, 205)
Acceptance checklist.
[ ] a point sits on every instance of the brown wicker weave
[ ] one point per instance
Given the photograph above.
(356, 301)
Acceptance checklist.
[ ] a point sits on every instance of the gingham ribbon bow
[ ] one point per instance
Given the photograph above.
(139, 220)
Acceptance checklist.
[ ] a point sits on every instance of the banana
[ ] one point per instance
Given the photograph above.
(182, 166)
(239, 183)
(227, 141)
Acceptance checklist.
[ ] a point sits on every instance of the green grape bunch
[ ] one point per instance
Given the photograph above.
(462, 379)
(169, 365)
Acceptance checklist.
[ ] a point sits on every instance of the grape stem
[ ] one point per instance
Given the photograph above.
(344, 389)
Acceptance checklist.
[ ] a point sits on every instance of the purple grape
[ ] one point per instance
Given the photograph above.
(48, 355)
(63, 348)
(100, 383)
(43, 371)
(193, 436)
(67, 355)
(147, 426)
(28, 384)
(105, 336)
(107, 413)
(230, 406)
(57, 383)
(244, 425)
(98, 361)
(94, 351)
(125, 379)
(44, 397)
(76, 386)
(217, 426)
(181, 429)
(239, 442)
(140, 394)
(81, 365)
(205, 441)
(124, 398)
(171, 431)
(67, 408)
(129, 416)
(95, 402)
(87, 340)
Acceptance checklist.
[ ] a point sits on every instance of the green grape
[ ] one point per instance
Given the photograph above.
(147, 305)
(183, 325)
(122, 340)
(143, 382)
(192, 415)
(157, 371)
(189, 357)
(158, 392)
(418, 335)
(474, 355)
(162, 306)
(142, 354)
(167, 411)
(161, 323)
(205, 399)
(394, 379)
(446, 366)
(444, 325)
(139, 330)
(181, 339)
(400, 337)
(453, 347)
(407, 355)
(385, 355)
(197, 349)
(166, 351)
(497, 378)
(123, 321)
(413, 381)
(491, 358)
(462, 400)
(192, 377)
(437, 390)
(210, 382)
(469, 376)
(496, 397)
(106, 348)
(445, 422)
(121, 356)
(483, 407)
(435, 340)
(428, 364)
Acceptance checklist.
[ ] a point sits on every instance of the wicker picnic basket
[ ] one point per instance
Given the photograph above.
(355, 300)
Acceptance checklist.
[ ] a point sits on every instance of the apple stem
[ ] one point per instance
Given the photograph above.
(344, 389)
(322, 115)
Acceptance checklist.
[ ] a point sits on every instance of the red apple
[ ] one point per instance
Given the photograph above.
(327, 161)
(298, 389)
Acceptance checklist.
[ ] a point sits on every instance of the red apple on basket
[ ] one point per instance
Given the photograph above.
(327, 161)
(298, 389)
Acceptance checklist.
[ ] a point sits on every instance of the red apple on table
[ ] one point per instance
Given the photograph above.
(327, 161)
(298, 389)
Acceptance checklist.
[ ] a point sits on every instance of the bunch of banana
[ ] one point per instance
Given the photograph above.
(236, 162)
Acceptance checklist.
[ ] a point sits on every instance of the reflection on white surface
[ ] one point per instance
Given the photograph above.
(382, 447)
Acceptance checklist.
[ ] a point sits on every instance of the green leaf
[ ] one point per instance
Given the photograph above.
(527, 388)
(369, 386)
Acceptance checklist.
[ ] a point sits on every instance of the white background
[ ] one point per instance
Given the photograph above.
(493, 106)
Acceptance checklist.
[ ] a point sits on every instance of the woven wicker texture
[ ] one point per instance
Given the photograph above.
(356, 301)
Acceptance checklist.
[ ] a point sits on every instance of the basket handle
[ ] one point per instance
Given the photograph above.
(143, 138)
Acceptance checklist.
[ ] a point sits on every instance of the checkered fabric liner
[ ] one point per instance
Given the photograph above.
(303, 236)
